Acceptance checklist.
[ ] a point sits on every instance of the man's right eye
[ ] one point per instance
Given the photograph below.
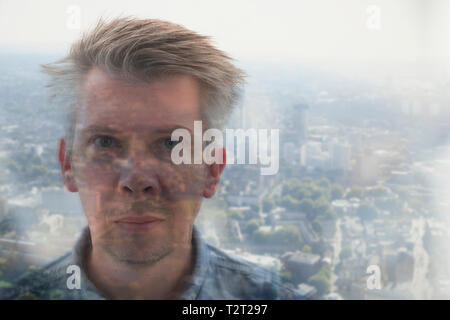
(105, 142)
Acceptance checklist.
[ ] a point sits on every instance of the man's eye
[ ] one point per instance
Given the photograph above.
(169, 144)
(105, 142)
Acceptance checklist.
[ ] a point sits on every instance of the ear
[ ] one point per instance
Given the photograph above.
(214, 173)
(66, 169)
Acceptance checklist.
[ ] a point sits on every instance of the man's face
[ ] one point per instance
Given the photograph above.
(139, 205)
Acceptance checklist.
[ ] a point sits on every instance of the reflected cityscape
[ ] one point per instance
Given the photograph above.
(363, 180)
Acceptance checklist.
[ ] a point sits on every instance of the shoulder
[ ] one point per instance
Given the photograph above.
(45, 282)
(238, 278)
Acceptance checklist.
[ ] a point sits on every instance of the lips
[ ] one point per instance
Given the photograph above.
(138, 223)
(140, 219)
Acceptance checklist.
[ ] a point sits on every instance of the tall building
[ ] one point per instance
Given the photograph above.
(300, 120)
(340, 154)
(356, 141)
(290, 154)
(367, 168)
(312, 156)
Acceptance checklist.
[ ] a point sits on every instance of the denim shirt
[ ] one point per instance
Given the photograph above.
(216, 275)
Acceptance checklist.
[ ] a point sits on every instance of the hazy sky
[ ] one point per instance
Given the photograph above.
(331, 29)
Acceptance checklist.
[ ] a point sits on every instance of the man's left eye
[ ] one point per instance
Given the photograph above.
(169, 144)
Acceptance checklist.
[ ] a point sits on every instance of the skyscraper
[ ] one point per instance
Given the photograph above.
(300, 120)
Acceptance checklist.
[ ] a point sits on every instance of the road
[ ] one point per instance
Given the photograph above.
(337, 242)
(420, 286)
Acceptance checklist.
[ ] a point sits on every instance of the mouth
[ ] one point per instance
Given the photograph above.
(138, 223)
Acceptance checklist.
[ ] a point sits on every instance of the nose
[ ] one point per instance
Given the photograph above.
(139, 182)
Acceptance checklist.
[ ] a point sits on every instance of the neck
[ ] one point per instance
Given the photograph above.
(120, 280)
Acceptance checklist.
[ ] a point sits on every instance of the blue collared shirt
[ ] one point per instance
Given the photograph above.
(216, 275)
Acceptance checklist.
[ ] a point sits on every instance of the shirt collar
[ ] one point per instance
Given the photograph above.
(201, 267)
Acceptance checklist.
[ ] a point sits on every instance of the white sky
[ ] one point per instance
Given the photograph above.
(330, 29)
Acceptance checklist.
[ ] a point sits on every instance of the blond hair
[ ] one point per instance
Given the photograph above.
(144, 50)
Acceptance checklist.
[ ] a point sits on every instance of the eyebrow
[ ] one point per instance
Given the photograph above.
(97, 128)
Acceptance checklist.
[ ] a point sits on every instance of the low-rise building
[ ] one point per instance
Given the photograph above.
(301, 265)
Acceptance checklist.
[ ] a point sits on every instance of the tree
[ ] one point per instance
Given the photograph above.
(389, 204)
(307, 180)
(317, 226)
(267, 204)
(56, 294)
(289, 203)
(345, 253)
(37, 171)
(320, 283)
(286, 276)
(329, 214)
(291, 185)
(378, 191)
(261, 237)
(3, 266)
(287, 235)
(403, 192)
(307, 206)
(3, 207)
(237, 215)
(321, 280)
(321, 205)
(252, 225)
(254, 207)
(367, 212)
(337, 192)
(324, 183)
(355, 192)
(416, 204)
(306, 248)
(13, 166)
(301, 193)
(316, 192)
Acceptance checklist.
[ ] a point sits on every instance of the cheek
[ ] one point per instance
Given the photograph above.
(95, 173)
(95, 181)
(184, 182)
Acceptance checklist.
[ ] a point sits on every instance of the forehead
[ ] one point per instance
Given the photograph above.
(124, 106)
